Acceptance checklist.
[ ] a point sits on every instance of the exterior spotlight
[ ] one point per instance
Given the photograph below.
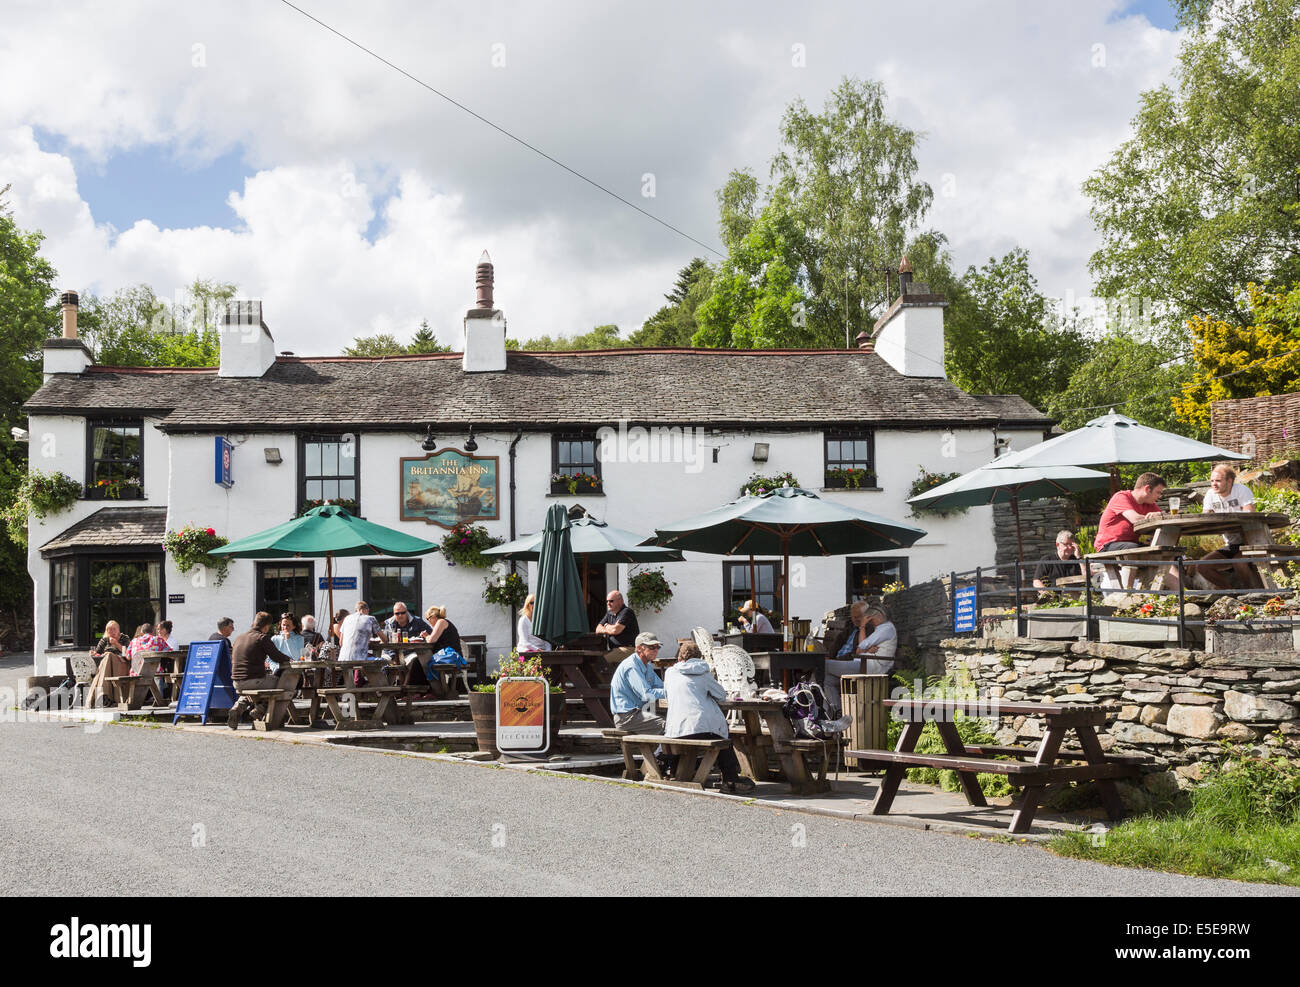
(429, 443)
(470, 444)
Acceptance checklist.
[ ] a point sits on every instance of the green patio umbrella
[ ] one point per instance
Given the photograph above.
(594, 542)
(561, 613)
(326, 531)
(994, 484)
(786, 521)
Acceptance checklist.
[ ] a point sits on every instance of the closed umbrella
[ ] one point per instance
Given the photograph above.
(995, 484)
(561, 613)
(1113, 439)
(326, 531)
(786, 521)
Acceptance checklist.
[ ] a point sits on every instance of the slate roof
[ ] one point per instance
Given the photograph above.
(114, 527)
(754, 388)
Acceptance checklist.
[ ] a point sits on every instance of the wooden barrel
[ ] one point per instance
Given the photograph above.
(483, 708)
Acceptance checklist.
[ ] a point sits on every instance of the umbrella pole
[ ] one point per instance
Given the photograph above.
(1015, 513)
(329, 581)
(1114, 480)
(785, 584)
(753, 586)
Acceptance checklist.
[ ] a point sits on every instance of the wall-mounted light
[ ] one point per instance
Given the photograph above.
(19, 434)
(429, 443)
(470, 444)
(1001, 444)
(272, 456)
(761, 450)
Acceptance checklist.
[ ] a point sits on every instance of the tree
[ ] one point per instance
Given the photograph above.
(600, 338)
(133, 327)
(386, 344)
(1234, 361)
(1002, 337)
(843, 208)
(29, 314)
(675, 324)
(425, 341)
(1204, 198)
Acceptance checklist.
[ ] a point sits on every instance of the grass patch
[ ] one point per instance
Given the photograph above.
(1242, 824)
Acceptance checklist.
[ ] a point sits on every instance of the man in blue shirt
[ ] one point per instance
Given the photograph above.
(636, 688)
(404, 622)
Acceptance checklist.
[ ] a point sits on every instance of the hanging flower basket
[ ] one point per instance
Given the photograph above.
(757, 484)
(39, 495)
(190, 546)
(509, 592)
(649, 590)
(465, 543)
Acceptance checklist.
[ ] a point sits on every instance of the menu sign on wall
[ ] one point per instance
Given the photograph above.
(449, 486)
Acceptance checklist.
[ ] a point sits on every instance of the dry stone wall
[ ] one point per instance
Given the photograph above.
(1176, 706)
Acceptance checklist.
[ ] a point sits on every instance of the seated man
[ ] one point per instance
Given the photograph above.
(403, 622)
(869, 650)
(1062, 565)
(619, 627)
(636, 688)
(1226, 494)
(1116, 532)
(310, 636)
(693, 713)
(252, 651)
(225, 628)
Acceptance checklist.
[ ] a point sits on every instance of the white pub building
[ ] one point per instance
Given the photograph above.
(418, 443)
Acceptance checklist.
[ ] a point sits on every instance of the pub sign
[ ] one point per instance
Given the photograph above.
(450, 486)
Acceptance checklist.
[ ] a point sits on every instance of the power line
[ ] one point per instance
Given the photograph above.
(518, 140)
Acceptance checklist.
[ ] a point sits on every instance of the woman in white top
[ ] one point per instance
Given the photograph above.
(754, 620)
(528, 641)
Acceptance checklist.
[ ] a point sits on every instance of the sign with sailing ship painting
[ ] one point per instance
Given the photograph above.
(450, 486)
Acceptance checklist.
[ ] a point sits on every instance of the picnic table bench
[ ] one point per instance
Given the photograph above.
(694, 762)
(129, 690)
(441, 677)
(584, 675)
(323, 687)
(1034, 777)
(1112, 561)
(278, 702)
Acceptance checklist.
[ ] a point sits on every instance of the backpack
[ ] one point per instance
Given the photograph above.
(809, 712)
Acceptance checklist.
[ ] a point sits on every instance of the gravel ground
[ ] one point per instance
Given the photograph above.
(175, 813)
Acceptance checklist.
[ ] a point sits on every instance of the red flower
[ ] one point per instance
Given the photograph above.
(211, 532)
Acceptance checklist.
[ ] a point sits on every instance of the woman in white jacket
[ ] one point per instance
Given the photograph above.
(527, 640)
(693, 713)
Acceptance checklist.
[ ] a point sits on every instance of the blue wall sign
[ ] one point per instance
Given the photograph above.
(207, 681)
(225, 452)
(964, 619)
(340, 582)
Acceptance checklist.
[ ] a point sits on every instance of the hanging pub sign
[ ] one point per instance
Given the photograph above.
(449, 486)
(224, 454)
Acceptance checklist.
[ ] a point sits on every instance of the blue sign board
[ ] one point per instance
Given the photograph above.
(340, 582)
(207, 681)
(225, 452)
(964, 618)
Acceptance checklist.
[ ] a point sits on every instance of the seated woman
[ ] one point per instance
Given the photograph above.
(869, 650)
(527, 640)
(753, 620)
(693, 713)
(289, 641)
(145, 641)
(110, 657)
(443, 637)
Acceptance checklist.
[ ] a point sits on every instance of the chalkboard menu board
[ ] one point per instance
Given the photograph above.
(207, 681)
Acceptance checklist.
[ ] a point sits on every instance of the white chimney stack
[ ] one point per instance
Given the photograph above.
(68, 354)
(910, 335)
(485, 326)
(247, 349)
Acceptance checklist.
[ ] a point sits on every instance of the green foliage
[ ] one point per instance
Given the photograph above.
(190, 546)
(1201, 200)
(928, 481)
(850, 478)
(574, 482)
(1004, 338)
(675, 324)
(1242, 823)
(649, 590)
(1277, 500)
(601, 338)
(1085, 536)
(135, 328)
(509, 592)
(757, 484)
(386, 344)
(464, 544)
(38, 495)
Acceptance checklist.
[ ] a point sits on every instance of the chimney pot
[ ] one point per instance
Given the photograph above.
(69, 301)
(904, 277)
(483, 281)
(864, 341)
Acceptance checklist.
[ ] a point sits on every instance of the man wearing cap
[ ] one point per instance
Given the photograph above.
(636, 688)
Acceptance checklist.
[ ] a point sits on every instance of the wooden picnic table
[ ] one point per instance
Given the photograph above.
(756, 747)
(583, 675)
(1254, 527)
(130, 691)
(1035, 776)
(445, 685)
(789, 662)
(330, 672)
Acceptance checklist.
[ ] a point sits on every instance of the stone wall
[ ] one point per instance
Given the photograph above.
(1040, 520)
(1261, 427)
(923, 616)
(1176, 706)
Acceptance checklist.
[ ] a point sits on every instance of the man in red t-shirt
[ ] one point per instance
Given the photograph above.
(1115, 531)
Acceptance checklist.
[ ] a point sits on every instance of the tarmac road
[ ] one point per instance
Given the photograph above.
(148, 811)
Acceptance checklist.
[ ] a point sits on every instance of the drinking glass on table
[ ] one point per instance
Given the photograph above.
(1174, 504)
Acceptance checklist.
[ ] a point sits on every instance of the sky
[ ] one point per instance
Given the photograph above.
(159, 142)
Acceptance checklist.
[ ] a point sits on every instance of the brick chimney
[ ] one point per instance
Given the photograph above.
(67, 354)
(485, 326)
(910, 335)
(247, 348)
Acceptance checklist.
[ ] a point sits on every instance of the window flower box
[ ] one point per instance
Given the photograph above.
(575, 484)
(849, 479)
(1145, 632)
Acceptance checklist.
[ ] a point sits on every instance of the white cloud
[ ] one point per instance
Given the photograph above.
(1012, 104)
